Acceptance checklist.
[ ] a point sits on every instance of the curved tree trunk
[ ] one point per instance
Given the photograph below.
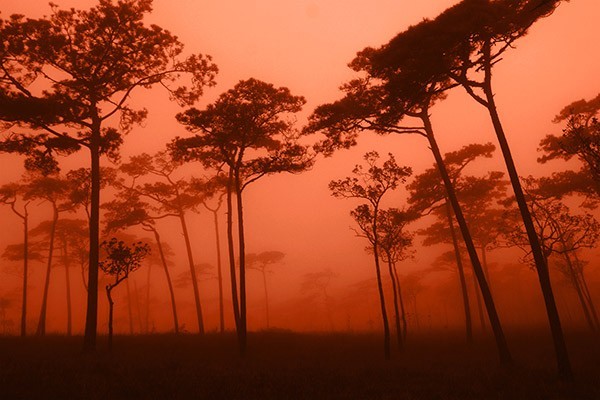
(560, 347)
(396, 306)
(41, 328)
(91, 316)
(461, 275)
(503, 351)
(168, 276)
(231, 253)
(190, 257)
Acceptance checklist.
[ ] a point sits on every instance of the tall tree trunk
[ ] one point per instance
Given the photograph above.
(168, 276)
(110, 316)
(67, 264)
(401, 301)
(560, 347)
(25, 272)
(396, 306)
(137, 306)
(577, 286)
(91, 316)
(147, 313)
(231, 253)
(586, 291)
(384, 317)
(480, 313)
(190, 257)
(486, 270)
(219, 271)
(503, 351)
(461, 275)
(264, 274)
(41, 328)
(242, 334)
(129, 307)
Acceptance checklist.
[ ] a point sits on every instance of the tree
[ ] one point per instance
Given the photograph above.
(92, 61)
(249, 132)
(370, 183)
(463, 44)
(316, 284)
(16, 196)
(120, 261)
(215, 211)
(399, 86)
(262, 262)
(169, 197)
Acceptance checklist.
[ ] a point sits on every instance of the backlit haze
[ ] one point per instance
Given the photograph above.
(305, 46)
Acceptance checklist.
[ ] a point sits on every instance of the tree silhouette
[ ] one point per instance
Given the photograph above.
(17, 197)
(169, 197)
(91, 61)
(316, 284)
(248, 131)
(370, 183)
(120, 261)
(215, 211)
(262, 262)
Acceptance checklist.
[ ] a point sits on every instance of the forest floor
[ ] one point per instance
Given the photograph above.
(282, 365)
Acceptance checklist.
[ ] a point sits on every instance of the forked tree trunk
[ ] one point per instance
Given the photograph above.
(168, 276)
(396, 305)
(461, 275)
(560, 347)
(503, 351)
(231, 253)
(41, 328)
(91, 316)
(190, 257)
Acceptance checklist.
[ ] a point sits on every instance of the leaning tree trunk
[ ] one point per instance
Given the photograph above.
(586, 292)
(168, 276)
(190, 257)
(560, 347)
(577, 286)
(384, 318)
(461, 275)
(503, 351)
(91, 316)
(396, 306)
(242, 334)
(231, 253)
(41, 328)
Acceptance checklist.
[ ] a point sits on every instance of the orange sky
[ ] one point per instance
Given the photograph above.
(305, 45)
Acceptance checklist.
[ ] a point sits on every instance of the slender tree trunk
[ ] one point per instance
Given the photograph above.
(401, 301)
(560, 347)
(41, 329)
(396, 306)
(576, 285)
(129, 307)
(137, 306)
(486, 270)
(147, 314)
(190, 257)
(480, 313)
(264, 274)
(242, 335)
(503, 351)
(231, 253)
(384, 317)
(67, 264)
(219, 271)
(25, 273)
(586, 292)
(168, 276)
(110, 316)
(461, 275)
(91, 317)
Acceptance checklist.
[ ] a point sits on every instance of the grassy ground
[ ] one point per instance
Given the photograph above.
(292, 366)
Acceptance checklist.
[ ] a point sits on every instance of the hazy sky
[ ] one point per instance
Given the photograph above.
(306, 45)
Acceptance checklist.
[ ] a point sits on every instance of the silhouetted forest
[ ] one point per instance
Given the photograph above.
(166, 236)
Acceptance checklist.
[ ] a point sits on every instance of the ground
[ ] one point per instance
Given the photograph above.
(285, 365)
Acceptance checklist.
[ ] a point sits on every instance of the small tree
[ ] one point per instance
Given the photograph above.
(262, 262)
(119, 262)
(370, 184)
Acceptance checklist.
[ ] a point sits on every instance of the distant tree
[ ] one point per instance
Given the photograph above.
(54, 189)
(90, 62)
(17, 197)
(370, 183)
(316, 284)
(120, 260)
(394, 245)
(262, 263)
(168, 197)
(249, 132)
